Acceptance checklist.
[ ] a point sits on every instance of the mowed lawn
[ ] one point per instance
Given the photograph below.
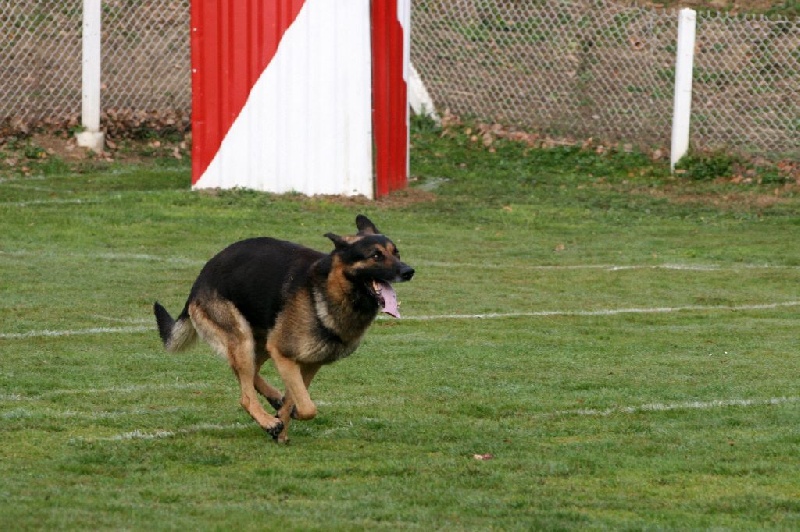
(588, 343)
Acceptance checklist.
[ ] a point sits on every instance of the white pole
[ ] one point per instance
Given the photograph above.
(418, 96)
(91, 137)
(684, 63)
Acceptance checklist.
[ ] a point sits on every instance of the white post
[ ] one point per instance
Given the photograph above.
(91, 137)
(684, 63)
(418, 97)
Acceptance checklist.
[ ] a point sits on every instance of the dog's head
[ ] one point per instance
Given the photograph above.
(372, 262)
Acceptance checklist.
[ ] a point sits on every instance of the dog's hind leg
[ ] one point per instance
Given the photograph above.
(227, 331)
(270, 393)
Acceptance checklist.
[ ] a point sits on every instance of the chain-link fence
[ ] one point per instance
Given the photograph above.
(582, 68)
(593, 68)
(746, 88)
(145, 59)
(40, 60)
(566, 69)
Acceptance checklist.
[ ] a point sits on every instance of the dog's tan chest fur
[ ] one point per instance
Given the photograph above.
(306, 314)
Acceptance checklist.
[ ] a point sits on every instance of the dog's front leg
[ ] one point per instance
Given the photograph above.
(296, 377)
(308, 371)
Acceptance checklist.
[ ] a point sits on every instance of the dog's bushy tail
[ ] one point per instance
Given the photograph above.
(178, 334)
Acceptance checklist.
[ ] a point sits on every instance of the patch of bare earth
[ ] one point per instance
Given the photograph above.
(62, 146)
(21, 157)
(759, 198)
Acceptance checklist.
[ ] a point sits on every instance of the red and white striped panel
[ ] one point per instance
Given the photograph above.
(283, 95)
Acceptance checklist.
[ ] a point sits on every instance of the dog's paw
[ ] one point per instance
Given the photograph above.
(277, 404)
(275, 431)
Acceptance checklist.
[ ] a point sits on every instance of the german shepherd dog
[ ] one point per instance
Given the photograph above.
(264, 298)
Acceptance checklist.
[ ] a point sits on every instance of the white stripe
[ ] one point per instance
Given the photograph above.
(48, 202)
(145, 257)
(605, 267)
(113, 390)
(602, 312)
(87, 200)
(23, 413)
(666, 407)
(434, 317)
(75, 332)
(12, 397)
(160, 434)
(103, 256)
(138, 321)
(430, 264)
(652, 407)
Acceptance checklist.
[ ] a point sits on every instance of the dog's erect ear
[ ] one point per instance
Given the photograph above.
(365, 226)
(338, 241)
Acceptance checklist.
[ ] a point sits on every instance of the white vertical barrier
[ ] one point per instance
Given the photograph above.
(91, 137)
(418, 96)
(684, 63)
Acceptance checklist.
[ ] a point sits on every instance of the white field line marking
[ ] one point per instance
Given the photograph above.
(51, 413)
(104, 256)
(602, 312)
(10, 397)
(434, 264)
(148, 258)
(652, 407)
(114, 390)
(488, 316)
(138, 321)
(115, 196)
(30, 203)
(75, 332)
(667, 407)
(607, 267)
(161, 434)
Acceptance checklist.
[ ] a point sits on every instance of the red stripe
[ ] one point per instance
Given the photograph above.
(233, 42)
(390, 99)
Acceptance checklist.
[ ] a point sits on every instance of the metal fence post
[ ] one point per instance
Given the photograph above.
(684, 63)
(91, 137)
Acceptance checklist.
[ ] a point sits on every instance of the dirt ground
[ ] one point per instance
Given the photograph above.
(735, 6)
(28, 156)
(22, 155)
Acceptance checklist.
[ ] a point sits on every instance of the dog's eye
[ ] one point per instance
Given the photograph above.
(377, 255)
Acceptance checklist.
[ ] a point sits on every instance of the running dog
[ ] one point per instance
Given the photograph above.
(264, 298)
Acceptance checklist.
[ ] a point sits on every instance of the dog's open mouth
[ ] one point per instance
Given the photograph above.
(386, 297)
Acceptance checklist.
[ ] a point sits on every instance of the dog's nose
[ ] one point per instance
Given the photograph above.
(406, 273)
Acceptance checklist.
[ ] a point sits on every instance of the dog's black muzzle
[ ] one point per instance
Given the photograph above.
(406, 273)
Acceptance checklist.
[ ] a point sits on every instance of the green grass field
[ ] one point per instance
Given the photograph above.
(621, 347)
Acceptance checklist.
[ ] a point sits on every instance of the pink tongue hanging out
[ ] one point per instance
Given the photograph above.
(387, 297)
